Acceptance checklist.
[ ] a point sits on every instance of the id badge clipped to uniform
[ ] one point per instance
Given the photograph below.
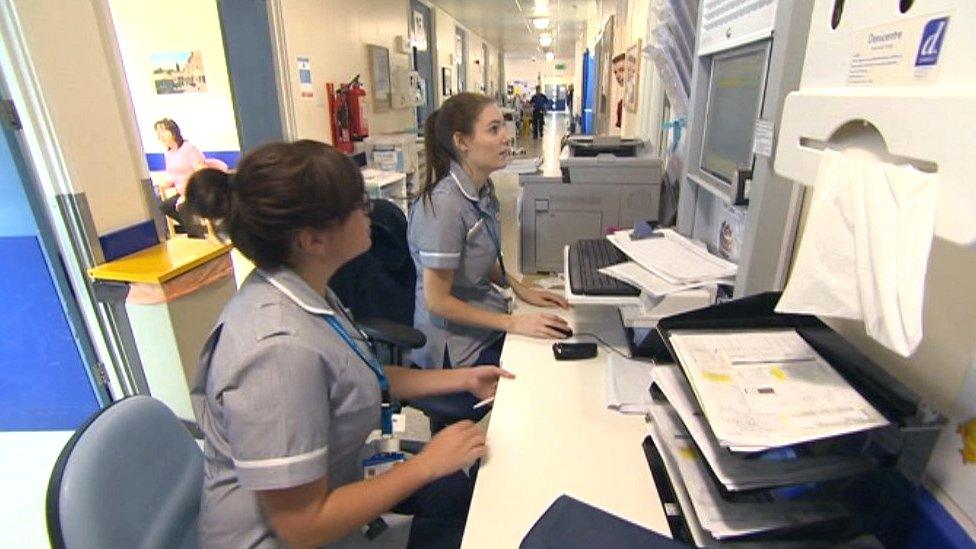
(387, 454)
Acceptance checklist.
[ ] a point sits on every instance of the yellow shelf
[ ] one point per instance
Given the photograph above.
(161, 262)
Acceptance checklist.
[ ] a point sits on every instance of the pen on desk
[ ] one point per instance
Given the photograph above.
(483, 403)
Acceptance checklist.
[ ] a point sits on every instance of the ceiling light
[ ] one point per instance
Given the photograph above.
(550, 56)
(541, 23)
(545, 40)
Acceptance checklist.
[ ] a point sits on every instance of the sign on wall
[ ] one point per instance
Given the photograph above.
(305, 77)
(178, 72)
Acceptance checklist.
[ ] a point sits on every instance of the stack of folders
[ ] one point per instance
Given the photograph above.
(737, 425)
(666, 262)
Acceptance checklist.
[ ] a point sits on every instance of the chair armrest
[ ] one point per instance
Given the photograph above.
(391, 333)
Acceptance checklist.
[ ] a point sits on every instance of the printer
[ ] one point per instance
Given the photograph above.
(604, 183)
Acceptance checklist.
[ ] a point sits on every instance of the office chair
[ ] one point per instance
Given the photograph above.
(379, 289)
(129, 477)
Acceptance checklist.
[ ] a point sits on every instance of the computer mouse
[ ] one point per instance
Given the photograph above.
(567, 332)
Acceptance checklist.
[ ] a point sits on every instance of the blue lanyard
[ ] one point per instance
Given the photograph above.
(490, 227)
(386, 411)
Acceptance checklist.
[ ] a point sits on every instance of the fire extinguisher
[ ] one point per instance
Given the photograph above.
(339, 118)
(355, 98)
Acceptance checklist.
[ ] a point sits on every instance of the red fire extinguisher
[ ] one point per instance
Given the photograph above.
(358, 124)
(339, 119)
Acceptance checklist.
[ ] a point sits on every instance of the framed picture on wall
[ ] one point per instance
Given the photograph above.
(446, 82)
(632, 77)
(379, 72)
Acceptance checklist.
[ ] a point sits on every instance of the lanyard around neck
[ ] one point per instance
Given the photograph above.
(489, 223)
(386, 410)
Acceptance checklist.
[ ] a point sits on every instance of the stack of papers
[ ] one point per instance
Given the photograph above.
(635, 275)
(739, 472)
(674, 258)
(768, 388)
(628, 384)
(730, 517)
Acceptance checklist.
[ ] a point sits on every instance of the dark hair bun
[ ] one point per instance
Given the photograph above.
(208, 193)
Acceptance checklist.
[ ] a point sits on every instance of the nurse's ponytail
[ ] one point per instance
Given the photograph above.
(457, 114)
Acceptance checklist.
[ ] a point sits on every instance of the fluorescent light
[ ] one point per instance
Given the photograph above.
(550, 56)
(545, 40)
(541, 23)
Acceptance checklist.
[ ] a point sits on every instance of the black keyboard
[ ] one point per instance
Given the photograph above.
(586, 258)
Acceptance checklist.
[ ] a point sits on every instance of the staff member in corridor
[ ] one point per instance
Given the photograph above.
(455, 241)
(287, 390)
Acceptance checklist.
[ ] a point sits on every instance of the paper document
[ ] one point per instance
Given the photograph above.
(865, 248)
(628, 383)
(673, 257)
(733, 515)
(739, 472)
(635, 275)
(769, 388)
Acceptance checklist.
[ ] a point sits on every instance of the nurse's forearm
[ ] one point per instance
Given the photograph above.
(311, 515)
(407, 383)
(462, 312)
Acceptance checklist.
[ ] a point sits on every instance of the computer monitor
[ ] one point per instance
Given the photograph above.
(735, 90)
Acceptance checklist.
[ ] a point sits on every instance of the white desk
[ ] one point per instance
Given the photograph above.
(551, 434)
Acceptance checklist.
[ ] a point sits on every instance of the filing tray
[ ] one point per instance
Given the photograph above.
(879, 501)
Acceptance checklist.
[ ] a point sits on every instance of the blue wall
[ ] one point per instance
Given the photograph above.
(44, 383)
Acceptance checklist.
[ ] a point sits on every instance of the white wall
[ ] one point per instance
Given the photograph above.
(333, 35)
(523, 68)
(143, 28)
(88, 109)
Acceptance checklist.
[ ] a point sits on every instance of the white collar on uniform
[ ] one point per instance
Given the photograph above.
(464, 183)
(289, 283)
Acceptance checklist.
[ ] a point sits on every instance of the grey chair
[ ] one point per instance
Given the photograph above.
(129, 478)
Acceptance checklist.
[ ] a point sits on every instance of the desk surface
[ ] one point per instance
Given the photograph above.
(161, 262)
(550, 434)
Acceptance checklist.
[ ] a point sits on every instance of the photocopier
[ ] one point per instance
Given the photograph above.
(604, 183)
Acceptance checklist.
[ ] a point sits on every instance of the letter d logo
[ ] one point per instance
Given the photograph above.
(931, 44)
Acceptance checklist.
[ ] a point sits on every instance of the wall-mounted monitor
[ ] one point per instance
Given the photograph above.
(722, 157)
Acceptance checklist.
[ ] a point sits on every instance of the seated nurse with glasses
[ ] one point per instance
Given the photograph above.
(455, 241)
(287, 390)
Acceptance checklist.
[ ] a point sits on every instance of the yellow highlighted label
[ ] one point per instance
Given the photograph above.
(716, 377)
(778, 373)
(687, 453)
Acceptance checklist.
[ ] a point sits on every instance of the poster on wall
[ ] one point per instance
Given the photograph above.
(632, 77)
(305, 77)
(419, 31)
(178, 72)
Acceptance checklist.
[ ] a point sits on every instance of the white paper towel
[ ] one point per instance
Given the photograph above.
(865, 248)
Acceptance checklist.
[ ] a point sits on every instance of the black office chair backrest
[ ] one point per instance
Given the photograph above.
(381, 282)
(130, 477)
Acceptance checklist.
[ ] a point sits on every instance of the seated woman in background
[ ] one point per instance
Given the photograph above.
(182, 160)
(287, 389)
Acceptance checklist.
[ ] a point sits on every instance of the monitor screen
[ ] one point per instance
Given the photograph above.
(734, 94)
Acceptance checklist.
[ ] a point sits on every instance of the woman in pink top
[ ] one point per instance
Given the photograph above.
(182, 159)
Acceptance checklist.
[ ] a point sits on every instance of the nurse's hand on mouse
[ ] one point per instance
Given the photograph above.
(455, 447)
(539, 325)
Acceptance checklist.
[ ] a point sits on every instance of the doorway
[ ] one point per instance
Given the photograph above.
(424, 54)
(49, 365)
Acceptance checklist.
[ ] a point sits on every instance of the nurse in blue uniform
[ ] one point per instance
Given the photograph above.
(455, 241)
(287, 390)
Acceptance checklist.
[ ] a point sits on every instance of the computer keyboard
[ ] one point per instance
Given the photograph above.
(586, 258)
